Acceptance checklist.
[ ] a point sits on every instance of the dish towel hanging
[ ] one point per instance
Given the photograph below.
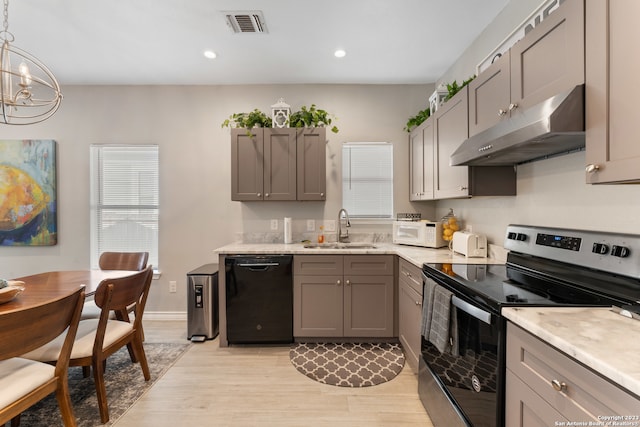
(427, 307)
(440, 322)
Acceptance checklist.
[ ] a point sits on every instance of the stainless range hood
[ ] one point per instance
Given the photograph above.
(553, 126)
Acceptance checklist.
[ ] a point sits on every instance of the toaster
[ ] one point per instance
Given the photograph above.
(469, 244)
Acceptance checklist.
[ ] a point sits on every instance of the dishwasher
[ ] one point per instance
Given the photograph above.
(259, 298)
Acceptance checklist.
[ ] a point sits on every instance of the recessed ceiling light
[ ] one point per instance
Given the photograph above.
(209, 54)
(340, 53)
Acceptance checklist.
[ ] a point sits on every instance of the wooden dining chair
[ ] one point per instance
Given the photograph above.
(25, 382)
(97, 339)
(132, 261)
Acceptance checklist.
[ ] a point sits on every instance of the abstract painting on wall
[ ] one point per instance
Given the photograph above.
(28, 204)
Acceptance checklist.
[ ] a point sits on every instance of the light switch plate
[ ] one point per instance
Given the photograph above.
(330, 225)
(311, 225)
(274, 224)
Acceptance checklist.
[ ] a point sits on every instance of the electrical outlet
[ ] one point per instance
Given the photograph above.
(311, 225)
(274, 224)
(173, 286)
(330, 225)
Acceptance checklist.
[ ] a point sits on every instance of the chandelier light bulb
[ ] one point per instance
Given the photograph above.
(25, 76)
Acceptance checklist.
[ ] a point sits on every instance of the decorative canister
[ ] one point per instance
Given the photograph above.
(450, 224)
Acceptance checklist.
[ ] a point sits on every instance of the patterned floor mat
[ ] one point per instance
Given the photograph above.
(348, 364)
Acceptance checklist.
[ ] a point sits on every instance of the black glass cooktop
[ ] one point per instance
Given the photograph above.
(497, 286)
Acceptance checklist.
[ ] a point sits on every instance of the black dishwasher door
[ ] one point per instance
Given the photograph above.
(259, 298)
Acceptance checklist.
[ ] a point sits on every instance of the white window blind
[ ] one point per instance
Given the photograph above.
(124, 200)
(367, 179)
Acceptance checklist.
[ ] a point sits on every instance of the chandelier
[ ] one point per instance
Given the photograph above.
(29, 93)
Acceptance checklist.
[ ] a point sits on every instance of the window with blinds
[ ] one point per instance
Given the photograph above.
(367, 179)
(124, 200)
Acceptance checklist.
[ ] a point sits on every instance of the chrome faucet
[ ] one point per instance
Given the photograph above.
(343, 237)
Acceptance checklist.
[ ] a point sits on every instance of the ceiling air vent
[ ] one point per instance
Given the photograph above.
(246, 21)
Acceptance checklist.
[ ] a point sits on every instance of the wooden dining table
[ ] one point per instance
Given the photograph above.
(43, 287)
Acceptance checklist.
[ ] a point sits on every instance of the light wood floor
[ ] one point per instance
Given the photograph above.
(258, 386)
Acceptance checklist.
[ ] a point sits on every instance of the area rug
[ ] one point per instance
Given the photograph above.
(124, 381)
(348, 364)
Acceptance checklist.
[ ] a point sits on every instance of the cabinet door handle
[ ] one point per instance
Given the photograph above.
(347, 282)
(558, 385)
(513, 106)
(266, 194)
(502, 112)
(592, 168)
(338, 283)
(259, 194)
(418, 303)
(461, 188)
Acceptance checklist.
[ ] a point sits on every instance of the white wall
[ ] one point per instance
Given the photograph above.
(197, 214)
(510, 18)
(553, 193)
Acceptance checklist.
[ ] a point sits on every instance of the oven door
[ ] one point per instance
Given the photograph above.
(470, 377)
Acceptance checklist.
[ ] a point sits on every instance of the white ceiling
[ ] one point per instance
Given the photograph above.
(162, 41)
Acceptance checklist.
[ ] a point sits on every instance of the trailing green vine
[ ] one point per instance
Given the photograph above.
(453, 88)
(417, 120)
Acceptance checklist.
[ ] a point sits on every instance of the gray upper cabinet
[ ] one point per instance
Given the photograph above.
(278, 164)
(431, 145)
(421, 162)
(451, 129)
(548, 60)
(247, 165)
(612, 69)
(490, 96)
(311, 163)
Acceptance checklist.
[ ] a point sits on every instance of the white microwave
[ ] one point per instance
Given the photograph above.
(418, 233)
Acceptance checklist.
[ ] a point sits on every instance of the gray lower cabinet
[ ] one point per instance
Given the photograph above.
(546, 61)
(410, 311)
(612, 69)
(278, 164)
(343, 296)
(545, 387)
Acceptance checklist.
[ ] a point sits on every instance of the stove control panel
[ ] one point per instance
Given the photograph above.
(612, 252)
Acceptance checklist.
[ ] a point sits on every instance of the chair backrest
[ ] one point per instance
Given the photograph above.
(134, 261)
(119, 293)
(27, 329)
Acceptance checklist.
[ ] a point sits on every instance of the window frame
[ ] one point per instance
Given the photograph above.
(388, 180)
(145, 187)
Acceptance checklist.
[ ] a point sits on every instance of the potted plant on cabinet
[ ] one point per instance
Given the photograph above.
(255, 118)
(311, 117)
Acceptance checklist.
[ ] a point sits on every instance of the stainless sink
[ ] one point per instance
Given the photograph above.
(339, 246)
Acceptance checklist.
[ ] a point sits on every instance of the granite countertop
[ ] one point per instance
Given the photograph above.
(415, 255)
(599, 338)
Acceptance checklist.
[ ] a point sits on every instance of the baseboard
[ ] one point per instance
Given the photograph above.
(165, 315)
